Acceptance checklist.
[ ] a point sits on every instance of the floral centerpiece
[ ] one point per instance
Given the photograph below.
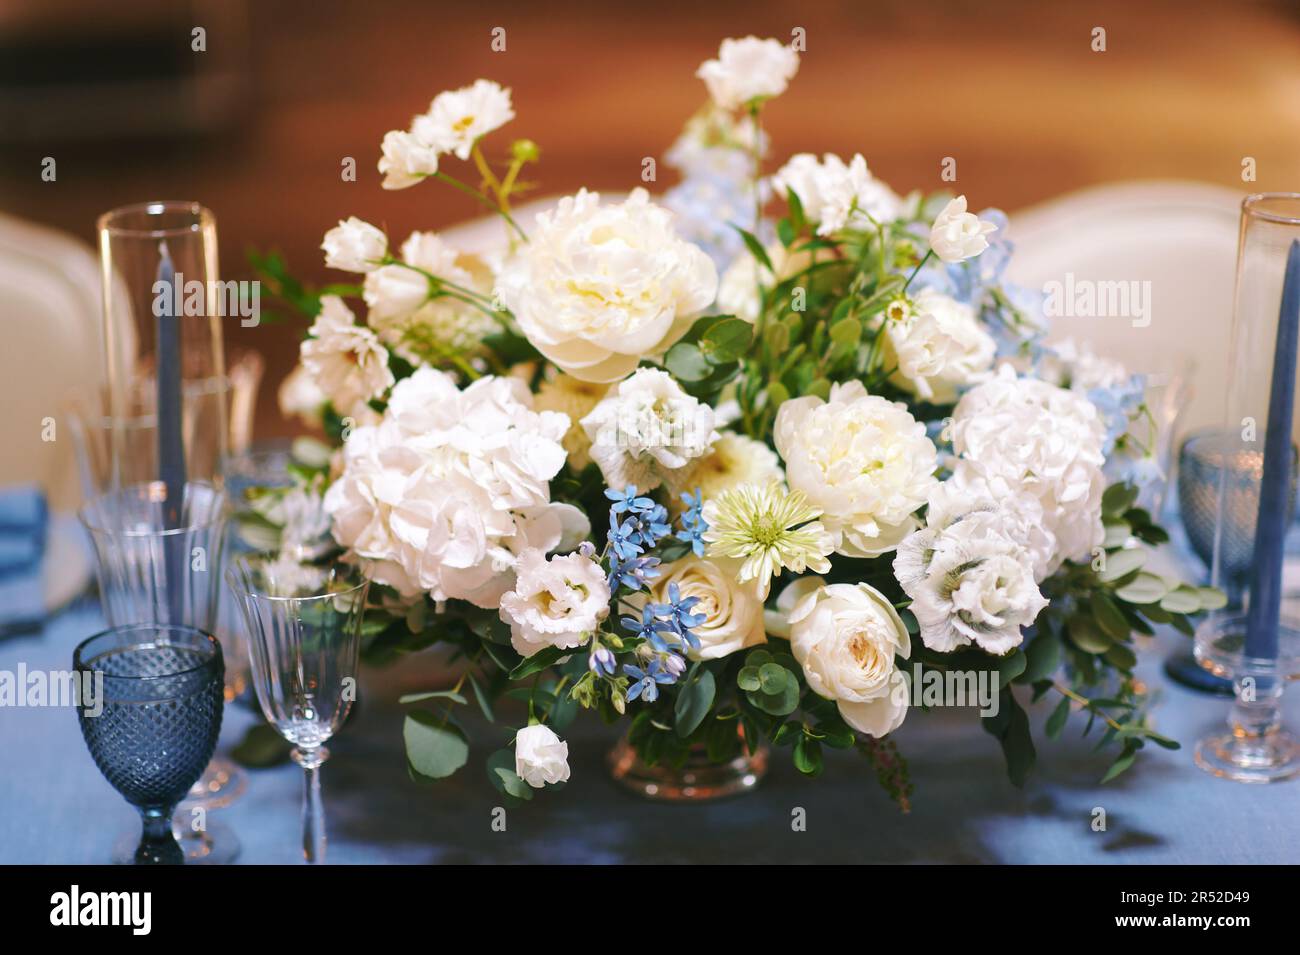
(742, 480)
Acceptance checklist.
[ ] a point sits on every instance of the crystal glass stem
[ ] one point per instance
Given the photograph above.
(313, 807)
(158, 844)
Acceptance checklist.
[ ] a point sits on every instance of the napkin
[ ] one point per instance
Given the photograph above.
(24, 517)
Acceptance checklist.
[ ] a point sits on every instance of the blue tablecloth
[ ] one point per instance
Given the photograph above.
(55, 807)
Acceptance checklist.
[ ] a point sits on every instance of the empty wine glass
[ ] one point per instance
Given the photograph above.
(304, 635)
(150, 706)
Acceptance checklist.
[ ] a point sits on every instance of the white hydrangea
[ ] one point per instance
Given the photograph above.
(1045, 441)
(863, 460)
(647, 430)
(344, 360)
(748, 70)
(939, 347)
(445, 493)
(835, 194)
(598, 288)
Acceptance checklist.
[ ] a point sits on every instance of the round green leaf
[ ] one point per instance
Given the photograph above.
(772, 678)
(501, 771)
(728, 340)
(1212, 598)
(1144, 589)
(747, 678)
(1121, 563)
(687, 362)
(434, 750)
(1182, 600)
(1087, 636)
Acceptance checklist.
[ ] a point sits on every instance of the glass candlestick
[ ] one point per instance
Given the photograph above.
(1251, 641)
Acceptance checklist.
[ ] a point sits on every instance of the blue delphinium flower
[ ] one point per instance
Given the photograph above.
(624, 536)
(653, 526)
(645, 683)
(633, 574)
(648, 627)
(627, 501)
(602, 661)
(677, 615)
(693, 523)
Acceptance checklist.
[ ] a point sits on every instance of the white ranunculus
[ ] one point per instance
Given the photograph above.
(556, 603)
(939, 348)
(405, 160)
(648, 429)
(835, 194)
(863, 460)
(971, 581)
(446, 492)
(541, 757)
(748, 69)
(354, 246)
(733, 615)
(457, 119)
(958, 234)
(598, 288)
(343, 359)
(1045, 441)
(846, 638)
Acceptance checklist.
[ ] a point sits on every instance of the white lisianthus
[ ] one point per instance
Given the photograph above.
(575, 398)
(405, 160)
(343, 359)
(457, 119)
(733, 615)
(846, 638)
(354, 245)
(836, 195)
(748, 70)
(1045, 441)
(541, 757)
(971, 582)
(597, 288)
(300, 397)
(735, 459)
(865, 462)
(451, 487)
(939, 347)
(556, 603)
(648, 429)
(958, 234)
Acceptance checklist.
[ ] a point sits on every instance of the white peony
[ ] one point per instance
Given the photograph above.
(457, 119)
(354, 245)
(343, 359)
(846, 638)
(648, 429)
(939, 348)
(1045, 441)
(971, 581)
(600, 287)
(556, 603)
(405, 160)
(451, 487)
(300, 397)
(837, 195)
(863, 460)
(958, 234)
(541, 757)
(733, 615)
(748, 70)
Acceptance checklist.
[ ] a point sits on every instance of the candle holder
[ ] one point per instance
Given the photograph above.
(1251, 641)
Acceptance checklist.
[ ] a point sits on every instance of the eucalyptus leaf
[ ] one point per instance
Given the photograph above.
(434, 749)
(1144, 589)
(693, 702)
(1121, 563)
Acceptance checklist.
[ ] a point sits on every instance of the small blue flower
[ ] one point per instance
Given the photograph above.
(624, 537)
(602, 661)
(648, 627)
(693, 523)
(677, 614)
(653, 526)
(674, 665)
(633, 574)
(626, 500)
(646, 682)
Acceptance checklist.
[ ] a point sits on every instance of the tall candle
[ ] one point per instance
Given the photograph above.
(171, 442)
(1275, 485)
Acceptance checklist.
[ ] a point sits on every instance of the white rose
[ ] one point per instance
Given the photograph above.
(747, 70)
(600, 287)
(971, 582)
(541, 757)
(648, 429)
(836, 195)
(354, 246)
(343, 359)
(556, 603)
(846, 637)
(457, 119)
(733, 615)
(958, 234)
(1045, 441)
(405, 160)
(863, 460)
(939, 348)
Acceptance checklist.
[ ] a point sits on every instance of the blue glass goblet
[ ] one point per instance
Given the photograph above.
(150, 712)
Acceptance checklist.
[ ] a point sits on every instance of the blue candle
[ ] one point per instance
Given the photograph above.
(171, 442)
(1270, 526)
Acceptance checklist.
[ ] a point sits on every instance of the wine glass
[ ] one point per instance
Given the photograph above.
(150, 706)
(304, 636)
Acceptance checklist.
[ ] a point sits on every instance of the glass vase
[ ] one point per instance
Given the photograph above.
(698, 779)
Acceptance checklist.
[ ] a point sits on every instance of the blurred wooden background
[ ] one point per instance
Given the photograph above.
(1012, 90)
